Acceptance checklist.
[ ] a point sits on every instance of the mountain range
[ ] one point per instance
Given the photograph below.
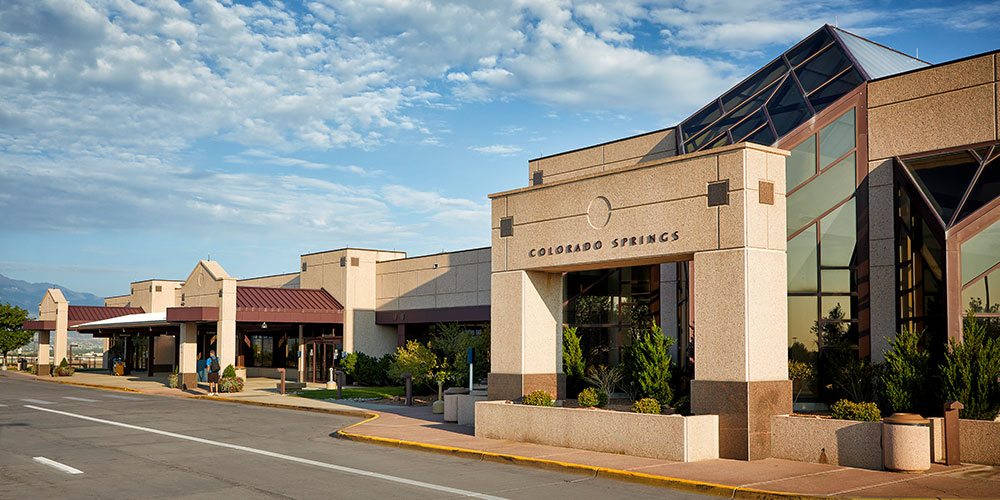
(28, 295)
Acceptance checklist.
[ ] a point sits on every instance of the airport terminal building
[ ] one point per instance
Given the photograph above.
(843, 186)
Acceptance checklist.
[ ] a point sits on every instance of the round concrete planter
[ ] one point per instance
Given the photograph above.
(906, 442)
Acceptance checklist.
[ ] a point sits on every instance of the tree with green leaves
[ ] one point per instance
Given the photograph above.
(903, 380)
(648, 365)
(573, 364)
(970, 371)
(12, 336)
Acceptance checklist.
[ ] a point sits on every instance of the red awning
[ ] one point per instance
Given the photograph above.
(86, 314)
(287, 305)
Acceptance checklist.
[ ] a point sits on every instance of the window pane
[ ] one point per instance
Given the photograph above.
(787, 108)
(801, 261)
(829, 93)
(987, 188)
(749, 125)
(763, 135)
(837, 307)
(747, 89)
(836, 280)
(944, 179)
(980, 253)
(821, 68)
(722, 140)
(836, 139)
(801, 321)
(982, 296)
(697, 122)
(809, 47)
(831, 187)
(838, 236)
(801, 165)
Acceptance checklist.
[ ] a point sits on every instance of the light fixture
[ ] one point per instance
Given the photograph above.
(263, 326)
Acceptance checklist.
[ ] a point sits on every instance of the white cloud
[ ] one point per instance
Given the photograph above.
(497, 149)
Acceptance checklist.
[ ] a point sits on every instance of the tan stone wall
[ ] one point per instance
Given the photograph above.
(824, 440)
(980, 441)
(454, 279)
(289, 280)
(154, 295)
(940, 107)
(622, 153)
(354, 285)
(201, 288)
(666, 437)
(666, 200)
(118, 301)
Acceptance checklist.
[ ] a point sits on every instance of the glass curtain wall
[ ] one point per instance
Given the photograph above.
(822, 240)
(920, 269)
(607, 306)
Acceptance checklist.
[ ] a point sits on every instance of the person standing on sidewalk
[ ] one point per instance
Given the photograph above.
(214, 368)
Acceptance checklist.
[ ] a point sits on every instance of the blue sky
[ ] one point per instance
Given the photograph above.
(139, 137)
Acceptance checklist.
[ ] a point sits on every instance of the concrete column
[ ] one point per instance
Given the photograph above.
(188, 355)
(401, 335)
(59, 343)
(526, 334)
(301, 360)
(668, 307)
(881, 258)
(226, 327)
(43, 354)
(741, 351)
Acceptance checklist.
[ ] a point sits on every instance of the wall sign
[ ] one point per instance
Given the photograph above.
(598, 245)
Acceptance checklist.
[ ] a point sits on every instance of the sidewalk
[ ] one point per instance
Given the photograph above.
(418, 428)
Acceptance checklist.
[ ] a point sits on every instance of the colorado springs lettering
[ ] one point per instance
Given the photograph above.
(646, 239)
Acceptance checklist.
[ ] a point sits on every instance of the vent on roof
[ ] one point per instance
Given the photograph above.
(159, 288)
(355, 262)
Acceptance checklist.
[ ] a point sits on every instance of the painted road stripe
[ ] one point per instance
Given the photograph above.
(56, 465)
(37, 401)
(306, 461)
(120, 397)
(2, 405)
(85, 400)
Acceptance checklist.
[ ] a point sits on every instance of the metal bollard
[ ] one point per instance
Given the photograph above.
(282, 372)
(341, 380)
(952, 447)
(408, 379)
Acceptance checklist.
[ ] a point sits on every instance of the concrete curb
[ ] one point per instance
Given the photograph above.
(700, 487)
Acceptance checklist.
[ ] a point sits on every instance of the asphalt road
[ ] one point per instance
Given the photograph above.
(61, 441)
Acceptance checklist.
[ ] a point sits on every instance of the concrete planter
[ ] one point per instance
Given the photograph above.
(827, 441)
(667, 437)
(906, 442)
(980, 440)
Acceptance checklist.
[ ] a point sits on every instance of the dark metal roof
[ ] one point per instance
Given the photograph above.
(297, 299)
(86, 314)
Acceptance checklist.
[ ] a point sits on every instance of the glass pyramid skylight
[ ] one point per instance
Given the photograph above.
(791, 89)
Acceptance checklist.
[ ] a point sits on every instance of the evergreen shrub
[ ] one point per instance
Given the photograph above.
(538, 398)
(573, 363)
(904, 377)
(970, 371)
(592, 398)
(647, 365)
(849, 410)
(647, 405)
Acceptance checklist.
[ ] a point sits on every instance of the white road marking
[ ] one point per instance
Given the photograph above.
(2, 405)
(56, 465)
(120, 397)
(306, 461)
(37, 401)
(85, 400)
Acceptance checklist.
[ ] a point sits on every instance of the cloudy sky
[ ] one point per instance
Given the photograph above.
(138, 137)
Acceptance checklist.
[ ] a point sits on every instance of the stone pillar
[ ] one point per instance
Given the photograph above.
(668, 307)
(741, 351)
(43, 354)
(226, 327)
(526, 334)
(187, 341)
(401, 335)
(60, 342)
(301, 363)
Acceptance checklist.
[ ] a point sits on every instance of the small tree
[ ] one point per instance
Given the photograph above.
(12, 336)
(970, 371)
(415, 359)
(648, 365)
(573, 365)
(904, 377)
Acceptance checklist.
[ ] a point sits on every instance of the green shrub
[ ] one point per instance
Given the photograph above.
(647, 365)
(452, 342)
(348, 363)
(231, 384)
(647, 405)
(63, 370)
(970, 371)
(903, 379)
(592, 398)
(573, 364)
(173, 380)
(367, 370)
(417, 360)
(849, 410)
(538, 398)
(229, 371)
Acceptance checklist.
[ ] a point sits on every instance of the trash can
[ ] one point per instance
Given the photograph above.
(906, 442)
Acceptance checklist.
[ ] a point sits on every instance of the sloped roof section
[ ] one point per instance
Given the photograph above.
(86, 314)
(876, 60)
(285, 299)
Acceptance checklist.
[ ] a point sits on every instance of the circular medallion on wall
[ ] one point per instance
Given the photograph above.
(599, 212)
